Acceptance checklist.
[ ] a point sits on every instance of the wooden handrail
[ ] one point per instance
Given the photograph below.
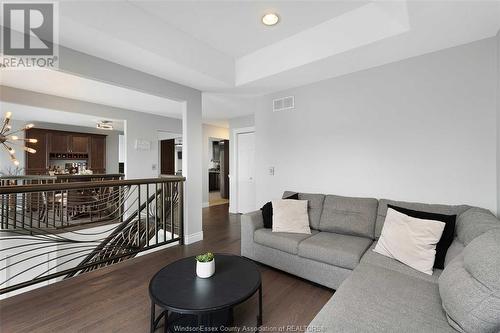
(86, 185)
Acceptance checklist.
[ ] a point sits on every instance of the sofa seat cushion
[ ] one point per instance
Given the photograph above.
(283, 241)
(340, 250)
(349, 216)
(376, 299)
(373, 258)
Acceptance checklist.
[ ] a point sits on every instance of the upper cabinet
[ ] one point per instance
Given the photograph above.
(79, 143)
(37, 163)
(63, 142)
(98, 154)
(58, 142)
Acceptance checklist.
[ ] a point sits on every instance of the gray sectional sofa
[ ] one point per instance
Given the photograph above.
(378, 294)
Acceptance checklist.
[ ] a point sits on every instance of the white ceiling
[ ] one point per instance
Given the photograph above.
(221, 48)
(36, 114)
(74, 87)
(235, 28)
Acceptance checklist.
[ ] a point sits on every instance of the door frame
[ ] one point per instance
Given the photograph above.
(233, 171)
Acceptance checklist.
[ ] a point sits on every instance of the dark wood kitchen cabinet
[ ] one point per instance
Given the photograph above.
(98, 154)
(79, 143)
(58, 142)
(55, 145)
(37, 163)
(64, 142)
(213, 181)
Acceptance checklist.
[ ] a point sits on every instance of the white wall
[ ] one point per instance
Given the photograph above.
(235, 123)
(240, 122)
(121, 148)
(498, 122)
(422, 129)
(210, 131)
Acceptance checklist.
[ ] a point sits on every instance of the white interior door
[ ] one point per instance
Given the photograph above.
(246, 172)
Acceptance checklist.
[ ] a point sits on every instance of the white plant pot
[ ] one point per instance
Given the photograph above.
(205, 269)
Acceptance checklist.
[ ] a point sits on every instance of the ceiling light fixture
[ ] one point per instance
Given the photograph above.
(7, 139)
(270, 19)
(105, 125)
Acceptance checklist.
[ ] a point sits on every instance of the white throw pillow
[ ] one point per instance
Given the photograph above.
(290, 216)
(410, 240)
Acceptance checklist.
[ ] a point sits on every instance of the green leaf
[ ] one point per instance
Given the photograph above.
(206, 257)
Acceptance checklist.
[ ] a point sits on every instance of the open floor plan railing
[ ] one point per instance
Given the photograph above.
(51, 231)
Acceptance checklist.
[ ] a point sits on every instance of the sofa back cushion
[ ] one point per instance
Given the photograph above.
(454, 251)
(431, 208)
(475, 222)
(314, 206)
(349, 216)
(470, 286)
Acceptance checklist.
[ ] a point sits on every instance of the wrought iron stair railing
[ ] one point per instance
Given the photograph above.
(55, 231)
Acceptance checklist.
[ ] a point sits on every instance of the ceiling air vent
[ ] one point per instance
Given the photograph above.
(285, 103)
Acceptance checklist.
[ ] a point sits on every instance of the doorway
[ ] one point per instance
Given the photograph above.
(245, 170)
(218, 172)
(167, 157)
(170, 153)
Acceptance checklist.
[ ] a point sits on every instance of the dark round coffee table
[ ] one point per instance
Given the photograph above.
(189, 303)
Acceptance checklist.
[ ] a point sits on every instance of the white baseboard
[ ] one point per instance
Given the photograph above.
(193, 238)
(205, 204)
(232, 209)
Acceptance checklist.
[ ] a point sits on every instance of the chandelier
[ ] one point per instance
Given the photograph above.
(8, 139)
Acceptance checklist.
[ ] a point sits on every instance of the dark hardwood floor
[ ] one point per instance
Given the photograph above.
(115, 299)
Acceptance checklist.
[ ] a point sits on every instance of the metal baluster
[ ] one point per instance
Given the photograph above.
(7, 210)
(172, 230)
(54, 209)
(30, 196)
(147, 215)
(138, 213)
(46, 210)
(181, 212)
(14, 197)
(164, 213)
(61, 210)
(3, 211)
(156, 213)
(23, 210)
(67, 207)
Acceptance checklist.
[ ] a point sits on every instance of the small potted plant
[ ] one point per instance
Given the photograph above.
(205, 265)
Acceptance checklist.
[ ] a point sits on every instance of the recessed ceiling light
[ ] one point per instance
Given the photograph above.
(270, 19)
